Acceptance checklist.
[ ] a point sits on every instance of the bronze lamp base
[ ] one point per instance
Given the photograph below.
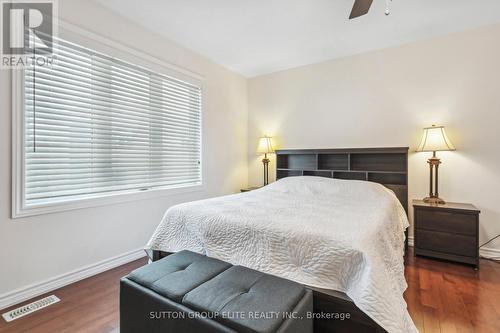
(266, 161)
(434, 201)
(433, 197)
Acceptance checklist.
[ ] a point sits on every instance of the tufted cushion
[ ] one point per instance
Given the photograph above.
(243, 290)
(178, 274)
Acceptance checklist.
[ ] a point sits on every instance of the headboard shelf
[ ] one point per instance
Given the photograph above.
(387, 166)
(378, 162)
(353, 175)
(333, 161)
(340, 170)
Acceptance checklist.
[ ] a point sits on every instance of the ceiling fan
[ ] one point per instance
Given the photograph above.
(361, 7)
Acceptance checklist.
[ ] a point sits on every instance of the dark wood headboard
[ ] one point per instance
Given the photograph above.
(387, 166)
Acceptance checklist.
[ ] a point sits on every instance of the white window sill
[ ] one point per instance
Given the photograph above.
(102, 200)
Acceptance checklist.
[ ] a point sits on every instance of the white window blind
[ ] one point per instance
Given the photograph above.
(96, 125)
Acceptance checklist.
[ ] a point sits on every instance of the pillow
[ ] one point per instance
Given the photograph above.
(312, 185)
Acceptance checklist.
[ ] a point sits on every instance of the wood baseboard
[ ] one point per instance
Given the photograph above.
(25, 293)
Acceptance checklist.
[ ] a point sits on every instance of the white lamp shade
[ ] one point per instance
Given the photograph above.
(435, 139)
(265, 145)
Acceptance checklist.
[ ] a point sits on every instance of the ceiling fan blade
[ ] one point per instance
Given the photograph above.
(360, 8)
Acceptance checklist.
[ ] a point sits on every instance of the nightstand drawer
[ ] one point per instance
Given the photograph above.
(447, 243)
(464, 224)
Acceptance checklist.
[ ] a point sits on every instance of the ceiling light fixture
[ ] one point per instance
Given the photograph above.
(387, 7)
(361, 7)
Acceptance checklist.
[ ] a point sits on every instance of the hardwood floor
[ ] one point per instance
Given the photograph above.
(442, 298)
(89, 306)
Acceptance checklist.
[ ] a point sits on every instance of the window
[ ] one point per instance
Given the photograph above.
(95, 125)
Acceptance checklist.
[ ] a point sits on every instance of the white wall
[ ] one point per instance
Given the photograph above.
(42, 247)
(384, 98)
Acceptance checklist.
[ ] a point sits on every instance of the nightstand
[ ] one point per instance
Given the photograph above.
(449, 231)
(248, 189)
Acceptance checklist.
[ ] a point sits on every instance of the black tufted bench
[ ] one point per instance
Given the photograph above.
(189, 292)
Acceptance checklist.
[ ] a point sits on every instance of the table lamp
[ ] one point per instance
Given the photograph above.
(433, 140)
(265, 147)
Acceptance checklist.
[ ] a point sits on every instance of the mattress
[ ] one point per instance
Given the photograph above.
(343, 235)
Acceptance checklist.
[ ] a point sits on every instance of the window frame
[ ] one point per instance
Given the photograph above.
(125, 53)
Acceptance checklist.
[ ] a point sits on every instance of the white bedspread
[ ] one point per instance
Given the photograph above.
(327, 233)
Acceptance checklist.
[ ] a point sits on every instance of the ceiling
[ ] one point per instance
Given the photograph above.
(254, 37)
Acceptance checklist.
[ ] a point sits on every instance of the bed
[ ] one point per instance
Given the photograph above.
(320, 224)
